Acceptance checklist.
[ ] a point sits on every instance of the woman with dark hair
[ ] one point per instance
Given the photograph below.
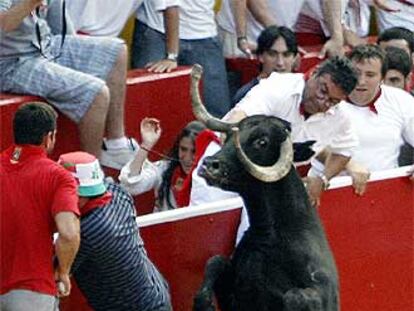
(170, 177)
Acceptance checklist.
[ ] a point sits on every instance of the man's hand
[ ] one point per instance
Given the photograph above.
(63, 284)
(150, 132)
(333, 47)
(163, 65)
(315, 186)
(360, 176)
(246, 47)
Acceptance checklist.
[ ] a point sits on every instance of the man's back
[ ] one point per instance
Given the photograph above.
(33, 190)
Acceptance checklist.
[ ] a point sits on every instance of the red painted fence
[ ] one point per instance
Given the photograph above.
(371, 237)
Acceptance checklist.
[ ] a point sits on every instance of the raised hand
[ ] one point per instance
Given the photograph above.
(150, 132)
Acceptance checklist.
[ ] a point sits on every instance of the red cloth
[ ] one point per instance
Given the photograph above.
(96, 203)
(181, 183)
(33, 190)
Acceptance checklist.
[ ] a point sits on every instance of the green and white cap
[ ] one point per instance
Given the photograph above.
(87, 172)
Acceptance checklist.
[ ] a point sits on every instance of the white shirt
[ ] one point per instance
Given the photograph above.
(280, 95)
(284, 11)
(196, 18)
(403, 18)
(101, 17)
(382, 134)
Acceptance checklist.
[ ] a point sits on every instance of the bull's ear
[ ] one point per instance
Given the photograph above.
(285, 123)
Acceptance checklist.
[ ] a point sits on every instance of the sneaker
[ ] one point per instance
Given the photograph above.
(117, 158)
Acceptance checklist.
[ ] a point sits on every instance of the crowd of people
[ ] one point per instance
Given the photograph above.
(352, 114)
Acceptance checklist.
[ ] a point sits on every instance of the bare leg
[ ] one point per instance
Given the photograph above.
(92, 125)
(117, 85)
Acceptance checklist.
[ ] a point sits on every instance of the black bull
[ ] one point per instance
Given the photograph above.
(283, 261)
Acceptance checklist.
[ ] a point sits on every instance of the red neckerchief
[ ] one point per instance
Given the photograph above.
(96, 203)
(181, 183)
(371, 104)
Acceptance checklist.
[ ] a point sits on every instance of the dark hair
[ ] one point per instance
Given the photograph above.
(398, 59)
(191, 130)
(270, 34)
(32, 122)
(398, 33)
(341, 71)
(369, 51)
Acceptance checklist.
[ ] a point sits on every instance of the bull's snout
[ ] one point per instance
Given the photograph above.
(212, 169)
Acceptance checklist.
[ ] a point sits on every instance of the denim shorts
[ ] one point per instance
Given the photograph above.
(68, 77)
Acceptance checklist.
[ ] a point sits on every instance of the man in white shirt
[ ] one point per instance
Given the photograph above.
(100, 18)
(383, 116)
(311, 108)
(198, 44)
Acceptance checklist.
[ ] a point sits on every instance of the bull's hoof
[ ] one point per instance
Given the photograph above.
(302, 300)
(203, 301)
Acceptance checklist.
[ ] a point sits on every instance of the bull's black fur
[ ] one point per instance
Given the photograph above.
(283, 261)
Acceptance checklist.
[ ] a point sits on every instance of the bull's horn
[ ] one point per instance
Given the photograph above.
(266, 173)
(199, 110)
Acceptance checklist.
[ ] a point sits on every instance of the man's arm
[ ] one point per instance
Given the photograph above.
(260, 11)
(334, 164)
(171, 24)
(12, 18)
(332, 13)
(66, 247)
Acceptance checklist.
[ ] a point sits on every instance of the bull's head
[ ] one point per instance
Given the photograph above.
(260, 143)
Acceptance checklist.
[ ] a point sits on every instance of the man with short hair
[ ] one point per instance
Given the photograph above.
(38, 198)
(277, 51)
(112, 268)
(383, 116)
(311, 108)
(398, 68)
(83, 77)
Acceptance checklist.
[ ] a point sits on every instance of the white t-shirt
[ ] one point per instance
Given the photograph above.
(382, 134)
(280, 95)
(101, 17)
(403, 18)
(284, 11)
(196, 18)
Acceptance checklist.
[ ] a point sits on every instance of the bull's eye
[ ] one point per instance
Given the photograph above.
(261, 143)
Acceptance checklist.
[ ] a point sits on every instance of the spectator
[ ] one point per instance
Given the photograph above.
(311, 108)
(198, 45)
(383, 116)
(112, 268)
(277, 51)
(98, 18)
(398, 37)
(260, 14)
(398, 68)
(38, 197)
(170, 178)
(83, 77)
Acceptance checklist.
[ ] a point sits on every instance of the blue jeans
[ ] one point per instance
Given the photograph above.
(149, 45)
(23, 300)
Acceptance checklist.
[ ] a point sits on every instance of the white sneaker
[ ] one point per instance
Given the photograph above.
(117, 158)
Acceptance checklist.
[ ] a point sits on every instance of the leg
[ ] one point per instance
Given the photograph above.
(217, 278)
(117, 85)
(148, 45)
(92, 125)
(208, 53)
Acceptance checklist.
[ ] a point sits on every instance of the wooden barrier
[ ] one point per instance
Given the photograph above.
(371, 237)
(164, 96)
